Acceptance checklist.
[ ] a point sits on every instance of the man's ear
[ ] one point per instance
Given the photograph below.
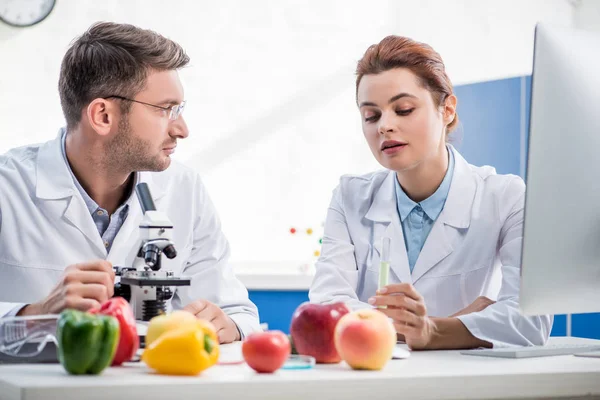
(102, 115)
(449, 109)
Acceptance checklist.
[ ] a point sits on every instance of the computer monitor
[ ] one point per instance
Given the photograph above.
(560, 268)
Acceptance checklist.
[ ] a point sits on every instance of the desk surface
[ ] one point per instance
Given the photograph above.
(425, 375)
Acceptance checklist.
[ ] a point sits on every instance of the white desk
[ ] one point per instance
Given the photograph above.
(425, 375)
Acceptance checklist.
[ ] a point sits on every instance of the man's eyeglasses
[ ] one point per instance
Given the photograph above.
(174, 111)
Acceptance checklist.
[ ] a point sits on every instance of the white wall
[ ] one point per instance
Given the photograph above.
(270, 91)
(586, 14)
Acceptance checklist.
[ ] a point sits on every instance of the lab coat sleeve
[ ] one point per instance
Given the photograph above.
(10, 309)
(212, 277)
(502, 323)
(336, 276)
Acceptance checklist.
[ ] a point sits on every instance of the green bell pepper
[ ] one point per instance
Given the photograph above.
(86, 343)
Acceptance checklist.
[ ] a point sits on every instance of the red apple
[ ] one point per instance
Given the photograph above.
(266, 351)
(365, 339)
(313, 327)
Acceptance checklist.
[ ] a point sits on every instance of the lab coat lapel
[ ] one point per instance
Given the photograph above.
(456, 214)
(436, 248)
(54, 183)
(383, 212)
(78, 215)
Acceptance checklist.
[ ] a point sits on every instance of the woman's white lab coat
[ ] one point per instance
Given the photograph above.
(474, 249)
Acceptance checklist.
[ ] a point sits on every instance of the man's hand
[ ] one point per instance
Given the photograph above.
(227, 330)
(406, 308)
(480, 304)
(82, 287)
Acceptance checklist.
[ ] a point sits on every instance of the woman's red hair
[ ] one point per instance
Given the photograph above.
(401, 52)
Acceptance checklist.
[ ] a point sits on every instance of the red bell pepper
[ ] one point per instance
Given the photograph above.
(129, 341)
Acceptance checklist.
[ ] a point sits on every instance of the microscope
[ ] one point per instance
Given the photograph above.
(144, 285)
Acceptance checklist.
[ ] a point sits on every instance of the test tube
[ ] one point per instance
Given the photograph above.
(384, 263)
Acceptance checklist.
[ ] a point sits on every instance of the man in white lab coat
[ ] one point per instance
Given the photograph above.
(68, 212)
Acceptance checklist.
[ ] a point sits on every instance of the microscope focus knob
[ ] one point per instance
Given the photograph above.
(122, 291)
(170, 251)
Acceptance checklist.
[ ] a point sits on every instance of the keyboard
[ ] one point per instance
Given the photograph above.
(534, 351)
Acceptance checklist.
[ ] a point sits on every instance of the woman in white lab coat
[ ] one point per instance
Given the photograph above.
(455, 229)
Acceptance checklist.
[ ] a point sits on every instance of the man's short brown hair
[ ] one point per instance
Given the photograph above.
(112, 59)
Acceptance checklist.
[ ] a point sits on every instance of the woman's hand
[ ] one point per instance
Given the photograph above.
(406, 307)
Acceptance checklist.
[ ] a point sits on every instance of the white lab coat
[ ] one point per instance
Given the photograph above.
(474, 249)
(45, 226)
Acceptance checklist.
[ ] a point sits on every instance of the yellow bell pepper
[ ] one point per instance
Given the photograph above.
(166, 322)
(188, 350)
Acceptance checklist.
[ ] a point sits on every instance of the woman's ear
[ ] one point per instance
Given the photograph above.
(449, 109)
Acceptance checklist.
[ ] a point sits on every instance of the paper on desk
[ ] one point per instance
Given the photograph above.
(231, 353)
(401, 351)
